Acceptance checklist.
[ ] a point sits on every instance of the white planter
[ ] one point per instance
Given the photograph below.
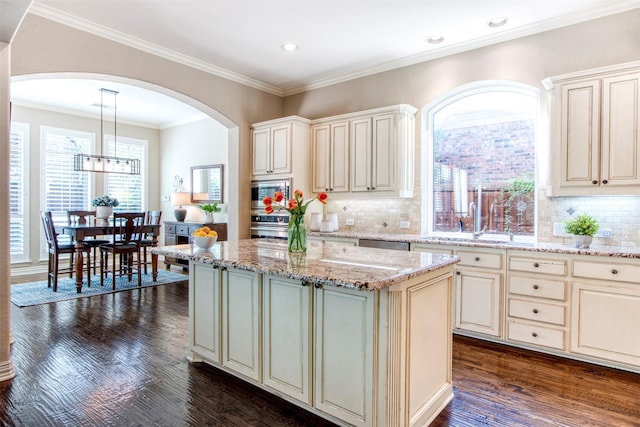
(209, 218)
(582, 241)
(103, 213)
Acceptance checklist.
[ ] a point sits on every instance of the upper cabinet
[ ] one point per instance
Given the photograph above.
(365, 152)
(596, 132)
(280, 148)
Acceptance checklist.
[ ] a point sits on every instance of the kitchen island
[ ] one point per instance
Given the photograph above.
(359, 336)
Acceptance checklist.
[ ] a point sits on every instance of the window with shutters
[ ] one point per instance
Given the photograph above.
(63, 188)
(18, 183)
(128, 189)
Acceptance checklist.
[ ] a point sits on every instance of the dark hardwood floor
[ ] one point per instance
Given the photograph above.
(120, 360)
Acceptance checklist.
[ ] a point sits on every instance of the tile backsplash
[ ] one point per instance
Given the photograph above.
(620, 214)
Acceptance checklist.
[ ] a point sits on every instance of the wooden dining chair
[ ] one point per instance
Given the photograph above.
(125, 241)
(152, 218)
(56, 249)
(76, 217)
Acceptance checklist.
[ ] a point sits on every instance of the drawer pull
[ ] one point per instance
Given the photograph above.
(594, 182)
(534, 334)
(458, 273)
(614, 271)
(535, 311)
(536, 265)
(536, 286)
(604, 181)
(477, 258)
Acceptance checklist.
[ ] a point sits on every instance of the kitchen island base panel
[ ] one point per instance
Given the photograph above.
(383, 341)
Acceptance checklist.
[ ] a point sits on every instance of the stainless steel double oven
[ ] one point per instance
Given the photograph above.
(272, 225)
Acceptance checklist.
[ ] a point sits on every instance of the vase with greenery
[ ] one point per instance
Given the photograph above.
(104, 206)
(209, 209)
(296, 231)
(583, 227)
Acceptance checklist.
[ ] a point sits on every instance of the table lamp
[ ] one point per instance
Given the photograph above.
(178, 199)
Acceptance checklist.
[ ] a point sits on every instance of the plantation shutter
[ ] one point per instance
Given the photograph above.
(18, 142)
(128, 189)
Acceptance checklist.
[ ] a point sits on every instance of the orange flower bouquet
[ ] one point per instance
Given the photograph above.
(297, 232)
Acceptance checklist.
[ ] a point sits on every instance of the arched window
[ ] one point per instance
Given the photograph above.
(480, 158)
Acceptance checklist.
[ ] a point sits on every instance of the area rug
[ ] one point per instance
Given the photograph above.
(34, 293)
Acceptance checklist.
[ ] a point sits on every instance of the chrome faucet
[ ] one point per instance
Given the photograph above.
(477, 217)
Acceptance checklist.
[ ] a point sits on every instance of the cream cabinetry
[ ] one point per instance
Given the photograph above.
(368, 151)
(605, 310)
(344, 354)
(287, 329)
(280, 147)
(596, 133)
(537, 311)
(204, 305)
(330, 151)
(478, 288)
(241, 322)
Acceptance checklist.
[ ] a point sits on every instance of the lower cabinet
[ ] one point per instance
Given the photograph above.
(286, 333)
(605, 321)
(241, 322)
(477, 297)
(204, 309)
(344, 354)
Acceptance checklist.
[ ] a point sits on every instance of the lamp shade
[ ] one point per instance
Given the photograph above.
(180, 198)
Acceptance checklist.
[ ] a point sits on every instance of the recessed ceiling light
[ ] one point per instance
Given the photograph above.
(498, 22)
(435, 39)
(289, 47)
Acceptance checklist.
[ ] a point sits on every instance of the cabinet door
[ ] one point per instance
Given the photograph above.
(383, 174)
(605, 321)
(321, 149)
(280, 149)
(261, 151)
(580, 134)
(339, 165)
(287, 332)
(361, 162)
(204, 312)
(344, 322)
(478, 301)
(241, 322)
(620, 130)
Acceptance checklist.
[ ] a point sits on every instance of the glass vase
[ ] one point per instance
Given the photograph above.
(297, 234)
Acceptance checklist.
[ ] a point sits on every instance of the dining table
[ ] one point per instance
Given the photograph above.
(79, 232)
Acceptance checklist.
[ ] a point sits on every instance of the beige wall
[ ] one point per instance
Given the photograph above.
(44, 46)
(208, 145)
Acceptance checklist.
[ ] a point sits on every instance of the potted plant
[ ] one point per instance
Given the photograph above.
(104, 206)
(209, 209)
(583, 227)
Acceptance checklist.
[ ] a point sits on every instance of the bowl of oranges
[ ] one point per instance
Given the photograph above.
(204, 237)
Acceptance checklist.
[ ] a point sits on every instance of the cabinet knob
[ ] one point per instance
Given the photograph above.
(326, 189)
(373, 188)
(458, 273)
(368, 188)
(534, 334)
(318, 285)
(535, 311)
(536, 286)
(604, 181)
(594, 182)
(536, 265)
(614, 271)
(303, 283)
(477, 258)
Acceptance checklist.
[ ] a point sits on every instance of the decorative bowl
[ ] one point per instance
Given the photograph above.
(204, 242)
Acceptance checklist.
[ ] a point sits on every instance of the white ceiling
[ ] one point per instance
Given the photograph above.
(338, 39)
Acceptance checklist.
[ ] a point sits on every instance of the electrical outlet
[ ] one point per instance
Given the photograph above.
(405, 224)
(350, 221)
(606, 233)
(165, 198)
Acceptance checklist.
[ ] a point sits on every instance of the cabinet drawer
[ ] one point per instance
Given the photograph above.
(535, 334)
(182, 230)
(534, 265)
(480, 259)
(170, 229)
(534, 310)
(542, 288)
(607, 271)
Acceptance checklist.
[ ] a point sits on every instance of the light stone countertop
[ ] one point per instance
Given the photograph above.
(486, 241)
(329, 263)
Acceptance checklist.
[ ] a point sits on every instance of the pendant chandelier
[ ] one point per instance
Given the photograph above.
(102, 163)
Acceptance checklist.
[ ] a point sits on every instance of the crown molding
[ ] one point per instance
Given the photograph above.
(127, 40)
